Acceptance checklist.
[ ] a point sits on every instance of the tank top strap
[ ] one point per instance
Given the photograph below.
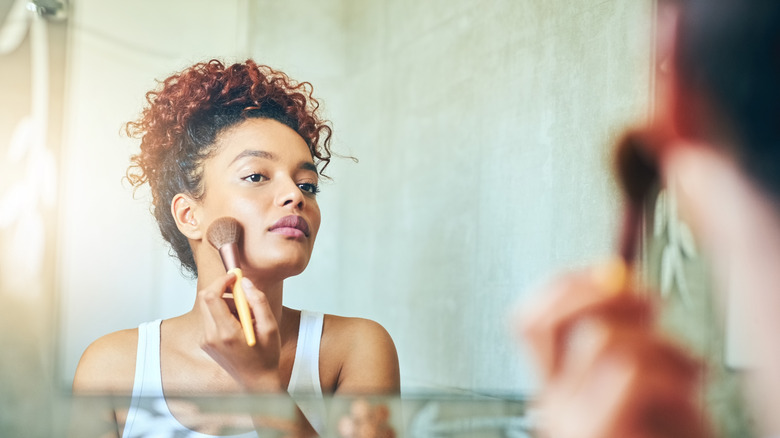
(148, 380)
(305, 387)
(305, 378)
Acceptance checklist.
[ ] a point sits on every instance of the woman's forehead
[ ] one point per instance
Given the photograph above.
(262, 139)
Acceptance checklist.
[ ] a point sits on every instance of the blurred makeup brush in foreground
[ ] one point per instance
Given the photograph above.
(224, 234)
(637, 176)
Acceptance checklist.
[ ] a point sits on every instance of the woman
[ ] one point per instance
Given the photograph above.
(243, 141)
(608, 371)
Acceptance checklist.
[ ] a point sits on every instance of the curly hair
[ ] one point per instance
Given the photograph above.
(184, 116)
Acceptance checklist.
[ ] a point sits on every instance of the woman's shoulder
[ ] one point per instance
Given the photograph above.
(108, 364)
(355, 330)
(364, 353)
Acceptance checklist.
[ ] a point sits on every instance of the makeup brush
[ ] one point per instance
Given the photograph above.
(637, 175)
(224, 234)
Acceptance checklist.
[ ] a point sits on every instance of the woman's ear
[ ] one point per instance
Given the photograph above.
(665, 80)
(184, 209)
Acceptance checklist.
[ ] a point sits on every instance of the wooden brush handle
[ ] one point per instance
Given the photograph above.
(242, 306)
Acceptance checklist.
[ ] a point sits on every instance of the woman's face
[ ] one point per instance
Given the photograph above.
(263, 175)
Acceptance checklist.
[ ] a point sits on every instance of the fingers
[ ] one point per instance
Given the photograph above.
(609, 372)
(266, 328)
(629, 384)
(220, 320)
(572, 301)
(220, 324)
(254, 367)
(622, 401)
(625, 395)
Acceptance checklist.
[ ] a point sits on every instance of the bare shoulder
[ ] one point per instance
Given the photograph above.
(108, 364)
(355, 328)
(364, 353)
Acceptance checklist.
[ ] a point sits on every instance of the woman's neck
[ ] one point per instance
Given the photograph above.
(271, 288)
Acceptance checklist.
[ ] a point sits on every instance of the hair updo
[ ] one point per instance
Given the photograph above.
(180, 124)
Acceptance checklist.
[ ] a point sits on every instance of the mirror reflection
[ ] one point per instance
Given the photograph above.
(482, 133)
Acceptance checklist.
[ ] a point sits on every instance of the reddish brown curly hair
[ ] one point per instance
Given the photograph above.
(185, 115)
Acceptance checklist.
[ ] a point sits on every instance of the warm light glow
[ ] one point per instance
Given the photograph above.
(30, 162)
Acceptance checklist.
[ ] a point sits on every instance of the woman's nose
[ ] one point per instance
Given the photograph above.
(290, 194)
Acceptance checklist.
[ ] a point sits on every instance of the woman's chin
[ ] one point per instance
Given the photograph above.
(277, 270)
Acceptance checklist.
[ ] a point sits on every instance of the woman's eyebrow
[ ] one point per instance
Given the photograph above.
(255, 153)
(308, 165)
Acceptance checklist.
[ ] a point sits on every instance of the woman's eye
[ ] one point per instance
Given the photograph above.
(309, 188)
(255, 178)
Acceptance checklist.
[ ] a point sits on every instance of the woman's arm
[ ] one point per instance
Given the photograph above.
(369, 368)
(107, 366)
(370, 361)
(106, 369)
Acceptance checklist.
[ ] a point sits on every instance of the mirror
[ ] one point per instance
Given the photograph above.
(482, 130)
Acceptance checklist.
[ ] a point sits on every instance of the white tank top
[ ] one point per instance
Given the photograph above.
(149, 415)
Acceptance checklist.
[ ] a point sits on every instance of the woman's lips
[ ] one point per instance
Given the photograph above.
(292, 225)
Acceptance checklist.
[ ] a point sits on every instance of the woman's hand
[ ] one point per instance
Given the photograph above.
(255, 368)
(607, 370)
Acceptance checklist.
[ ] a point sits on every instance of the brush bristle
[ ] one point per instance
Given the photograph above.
(636, 169)
(223, 231)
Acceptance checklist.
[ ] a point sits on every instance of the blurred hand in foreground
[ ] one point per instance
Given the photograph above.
(607, 370)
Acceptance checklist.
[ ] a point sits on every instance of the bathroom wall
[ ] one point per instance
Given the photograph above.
(482, 132)
(31, 93)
